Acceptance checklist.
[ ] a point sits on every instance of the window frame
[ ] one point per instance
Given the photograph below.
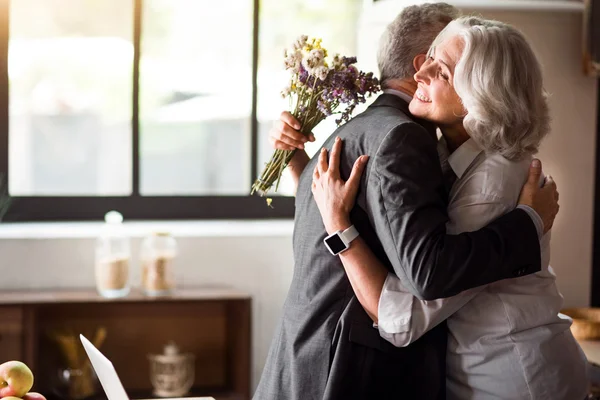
(136, 206)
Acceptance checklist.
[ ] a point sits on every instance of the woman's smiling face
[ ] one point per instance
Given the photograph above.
(435, 99)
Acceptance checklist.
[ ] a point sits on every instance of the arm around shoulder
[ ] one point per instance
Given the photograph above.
(407, 205)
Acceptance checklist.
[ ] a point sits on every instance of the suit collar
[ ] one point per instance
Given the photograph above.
(405, 96)
(391, 100)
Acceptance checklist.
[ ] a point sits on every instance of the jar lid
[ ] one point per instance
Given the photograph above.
(113, 217)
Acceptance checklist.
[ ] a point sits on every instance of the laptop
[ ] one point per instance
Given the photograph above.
(108, 375)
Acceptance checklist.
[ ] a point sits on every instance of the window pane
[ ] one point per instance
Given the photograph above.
(195, 97)
(70, 69)
(281, 22)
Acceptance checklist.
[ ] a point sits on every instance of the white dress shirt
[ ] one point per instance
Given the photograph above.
(506, 339)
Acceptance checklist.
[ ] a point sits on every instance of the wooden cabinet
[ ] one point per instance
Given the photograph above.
(212, 323)
(11, 332)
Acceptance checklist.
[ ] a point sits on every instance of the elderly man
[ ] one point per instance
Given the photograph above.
(326, 346)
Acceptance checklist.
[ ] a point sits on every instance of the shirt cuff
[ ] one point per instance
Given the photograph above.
(395, 307)
(535, 217)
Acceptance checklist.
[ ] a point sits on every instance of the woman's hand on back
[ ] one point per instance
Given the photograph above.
(334, 197)
(543, 199)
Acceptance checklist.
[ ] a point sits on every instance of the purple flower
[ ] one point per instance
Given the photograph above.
(347, 61)
(303, 74)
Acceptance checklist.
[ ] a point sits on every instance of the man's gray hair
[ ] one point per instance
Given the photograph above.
(409, 35)
(499, 80)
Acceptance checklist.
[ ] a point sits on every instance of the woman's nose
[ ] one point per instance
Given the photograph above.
(422, 75)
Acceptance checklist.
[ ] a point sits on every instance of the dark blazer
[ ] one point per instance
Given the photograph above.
(325, 346)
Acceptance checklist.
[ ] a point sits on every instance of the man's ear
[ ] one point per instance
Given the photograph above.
(418, 61)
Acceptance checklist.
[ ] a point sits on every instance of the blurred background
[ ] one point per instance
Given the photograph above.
(71, 91)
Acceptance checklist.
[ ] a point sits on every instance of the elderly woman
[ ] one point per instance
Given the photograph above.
(481, 84)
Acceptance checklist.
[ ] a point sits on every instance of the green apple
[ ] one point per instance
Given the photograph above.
(16, 379)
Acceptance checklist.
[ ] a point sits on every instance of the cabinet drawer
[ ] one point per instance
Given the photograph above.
(11, 333)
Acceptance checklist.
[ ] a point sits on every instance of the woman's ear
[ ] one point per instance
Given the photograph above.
(418, 61)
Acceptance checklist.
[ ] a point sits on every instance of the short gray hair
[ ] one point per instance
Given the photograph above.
(499, 80)
(409, 35)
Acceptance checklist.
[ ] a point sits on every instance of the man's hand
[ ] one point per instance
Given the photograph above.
(285, 134)
(544, 199)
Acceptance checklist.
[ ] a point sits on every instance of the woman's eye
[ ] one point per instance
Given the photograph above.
(444, 76)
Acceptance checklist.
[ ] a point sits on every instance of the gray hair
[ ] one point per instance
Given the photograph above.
(499, 80)
(409, 35)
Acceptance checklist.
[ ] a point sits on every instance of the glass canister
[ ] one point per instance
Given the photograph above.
(113, 254)
(172, 373)
(158, 254)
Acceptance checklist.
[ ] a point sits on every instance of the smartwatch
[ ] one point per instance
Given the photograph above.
(339, 241)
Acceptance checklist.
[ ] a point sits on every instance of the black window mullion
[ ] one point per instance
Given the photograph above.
(135, 118)
(148, 208)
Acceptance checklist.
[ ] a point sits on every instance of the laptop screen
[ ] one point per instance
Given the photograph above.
(105, 371)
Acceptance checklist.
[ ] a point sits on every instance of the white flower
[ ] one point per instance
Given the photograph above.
(315, 59)
(286, 92)
(292, 61)
(318, 55)
(321, 72)
(336, 63)
(300, 42)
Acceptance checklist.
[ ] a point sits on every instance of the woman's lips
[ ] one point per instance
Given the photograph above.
(421, 96)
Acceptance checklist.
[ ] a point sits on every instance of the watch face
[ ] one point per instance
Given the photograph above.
(335, 243)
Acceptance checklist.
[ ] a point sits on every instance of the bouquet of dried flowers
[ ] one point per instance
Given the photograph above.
(317, 89)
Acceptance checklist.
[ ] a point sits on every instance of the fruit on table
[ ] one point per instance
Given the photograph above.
(33, 396)
(16, 379)
(11, 398)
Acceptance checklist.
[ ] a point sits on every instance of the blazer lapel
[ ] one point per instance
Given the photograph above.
(391, 100)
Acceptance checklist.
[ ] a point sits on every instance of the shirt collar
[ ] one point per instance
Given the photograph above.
(406, 97)
(462, 157)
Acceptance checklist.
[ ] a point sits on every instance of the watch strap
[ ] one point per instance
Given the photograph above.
(349, 234)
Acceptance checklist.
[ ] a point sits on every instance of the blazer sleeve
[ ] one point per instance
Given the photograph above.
(406, 205)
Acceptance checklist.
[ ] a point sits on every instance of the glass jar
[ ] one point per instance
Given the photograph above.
(158, 254)
(113, 256)
(172, 373)
(77, 383)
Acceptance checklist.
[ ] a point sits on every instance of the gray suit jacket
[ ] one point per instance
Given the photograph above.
(325, 346)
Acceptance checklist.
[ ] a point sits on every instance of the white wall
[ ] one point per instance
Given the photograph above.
(262, 263)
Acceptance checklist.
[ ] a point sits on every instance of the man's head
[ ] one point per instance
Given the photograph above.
(408, 36)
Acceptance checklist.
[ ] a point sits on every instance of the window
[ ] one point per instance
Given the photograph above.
(195, 97)
(156, 108)
(70, 67)
(334, 21)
